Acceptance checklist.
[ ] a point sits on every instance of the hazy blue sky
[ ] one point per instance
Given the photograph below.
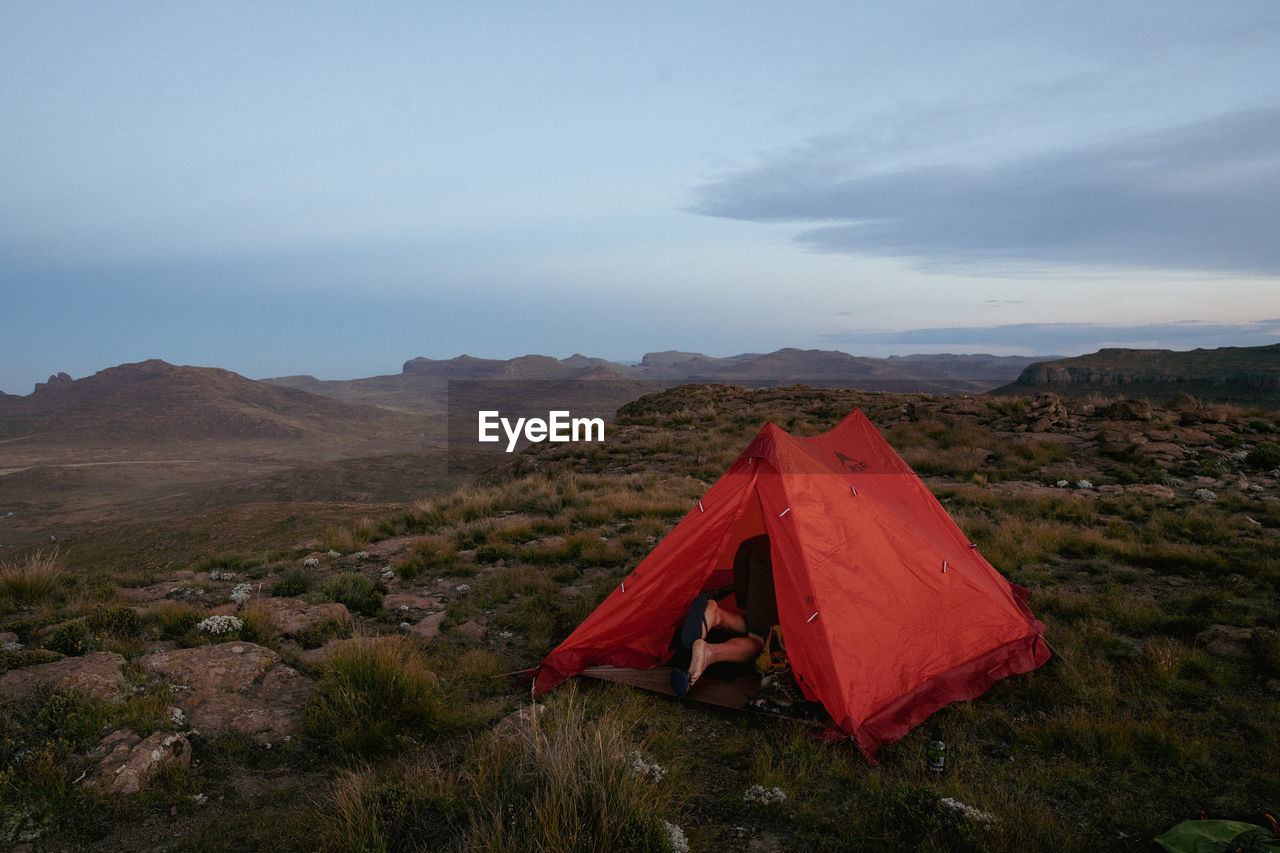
(333, 188)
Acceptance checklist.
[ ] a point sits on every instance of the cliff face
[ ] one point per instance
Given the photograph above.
(1229, 374)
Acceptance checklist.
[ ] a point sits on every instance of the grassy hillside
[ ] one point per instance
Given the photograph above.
(1155, 571)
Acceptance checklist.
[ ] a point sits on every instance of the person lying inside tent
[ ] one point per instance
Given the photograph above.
(753, 592)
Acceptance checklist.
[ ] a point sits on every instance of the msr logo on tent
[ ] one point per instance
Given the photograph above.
(559, 426)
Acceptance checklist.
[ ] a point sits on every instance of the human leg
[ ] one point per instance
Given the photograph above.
(705, 614)
(734, 650)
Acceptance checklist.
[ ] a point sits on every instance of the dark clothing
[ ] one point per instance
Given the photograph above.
(753, 585)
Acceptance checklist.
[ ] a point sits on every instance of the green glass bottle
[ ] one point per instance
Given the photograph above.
(936, 752)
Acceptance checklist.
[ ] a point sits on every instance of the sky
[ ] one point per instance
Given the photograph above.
(334, 188)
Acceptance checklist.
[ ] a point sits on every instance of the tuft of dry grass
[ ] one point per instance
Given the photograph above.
(33, 579)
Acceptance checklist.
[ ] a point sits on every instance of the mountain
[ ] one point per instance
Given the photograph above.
(1244, 375)
(422, 384)
(153, 402)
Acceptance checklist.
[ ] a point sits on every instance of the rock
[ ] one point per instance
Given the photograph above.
(96, 675)
(1226, 641)
(1160, 451)
(1046, 413)
(518, 722)
(7, 637)
(397, 600)
(1183, 403)
(1153, 490)
(428, 627)
(293, 615)
(235, 686)
(1128, 410)
(471, 631)
(131, 762)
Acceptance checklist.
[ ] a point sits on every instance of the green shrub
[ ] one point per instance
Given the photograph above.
(1265, 455)
(377, 692)
(357, 592)
(71, 639)
(294, 581)
(315, 636)
(119, 622)
(178, 618)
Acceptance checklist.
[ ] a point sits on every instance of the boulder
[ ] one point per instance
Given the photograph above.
(426, 628)
(130, 762)
(471, 631)
(293, 615)
(1226, 641)
(234, 686)
(1129, 410)
(95, 675)
(1046, 413)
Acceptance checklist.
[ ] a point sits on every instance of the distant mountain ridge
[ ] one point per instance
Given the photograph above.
(425, 379)
(1227, 374)
(154, 401)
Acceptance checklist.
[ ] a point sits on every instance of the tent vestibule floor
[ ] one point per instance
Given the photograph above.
(735, 692)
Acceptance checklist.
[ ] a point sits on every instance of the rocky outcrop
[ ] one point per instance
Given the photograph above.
(234, 686)
(291, 616)
(130, 762)
(97, 676)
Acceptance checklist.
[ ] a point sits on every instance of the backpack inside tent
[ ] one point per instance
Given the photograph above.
(886, 609)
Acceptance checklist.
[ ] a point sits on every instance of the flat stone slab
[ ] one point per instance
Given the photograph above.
(96, 675)
(235, 686)
(396, 600)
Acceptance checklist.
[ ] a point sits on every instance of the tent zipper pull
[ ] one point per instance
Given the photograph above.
(784, 512)
(855, 490)
(700, 506)
(944, 567)
(811, 618)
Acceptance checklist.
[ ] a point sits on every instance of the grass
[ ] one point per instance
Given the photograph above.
(32, 580)
(377, 692)
(1156, 706)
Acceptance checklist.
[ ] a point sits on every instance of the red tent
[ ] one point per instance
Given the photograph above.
(887, 610)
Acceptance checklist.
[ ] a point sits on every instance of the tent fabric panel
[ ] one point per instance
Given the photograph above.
(853, 562)
(967, 681)
(633, 626)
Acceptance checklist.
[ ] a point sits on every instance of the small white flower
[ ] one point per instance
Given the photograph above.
(642, 768)
(764, 796)
(241, 593)
(968, 811)
(462, 587)
(220, 624)
(1062, 484)
(311, 562)
(176, 717)
(675, 838)
(1083, 484)
(1205, 494)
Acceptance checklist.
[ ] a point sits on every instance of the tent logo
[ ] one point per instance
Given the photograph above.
(853, 466)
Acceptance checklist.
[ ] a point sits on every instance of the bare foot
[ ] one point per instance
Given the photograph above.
(699, 660)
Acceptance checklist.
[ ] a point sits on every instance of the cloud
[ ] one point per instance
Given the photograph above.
(1202, 196)
(1061, 338)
